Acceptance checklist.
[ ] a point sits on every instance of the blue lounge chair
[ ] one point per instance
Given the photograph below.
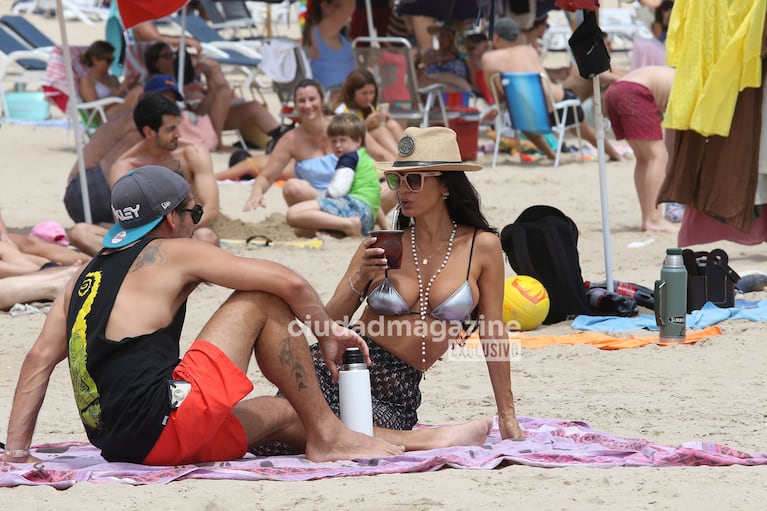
(27, 32)
(528, 103)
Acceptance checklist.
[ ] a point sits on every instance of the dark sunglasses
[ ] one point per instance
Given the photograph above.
(166, 55)
(413, 180)
(195, 212)
(107, 59)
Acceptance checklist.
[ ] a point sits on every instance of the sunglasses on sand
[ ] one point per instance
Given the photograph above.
(413, 180)
(195, 212)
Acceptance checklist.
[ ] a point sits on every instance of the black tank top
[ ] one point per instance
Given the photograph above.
(120, 386)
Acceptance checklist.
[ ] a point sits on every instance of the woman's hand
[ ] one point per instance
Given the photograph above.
(255, 200)
(373, 261)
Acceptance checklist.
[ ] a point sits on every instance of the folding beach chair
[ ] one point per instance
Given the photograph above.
(19, 64)
(390, 60)
(243, 56)
(87, 11)
(285, 64)
(528, 105)
(26, 31)
(92, 113)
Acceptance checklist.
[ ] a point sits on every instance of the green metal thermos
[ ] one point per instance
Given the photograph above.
(671, 297)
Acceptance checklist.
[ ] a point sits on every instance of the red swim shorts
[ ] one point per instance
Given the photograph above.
(203, 428)
(632, 112)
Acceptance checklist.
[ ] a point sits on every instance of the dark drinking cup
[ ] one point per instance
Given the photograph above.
(391, 242)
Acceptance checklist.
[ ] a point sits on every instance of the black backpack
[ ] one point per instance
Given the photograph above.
(543, 243)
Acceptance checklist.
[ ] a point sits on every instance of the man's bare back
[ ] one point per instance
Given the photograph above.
(519, 58)
(191, 160)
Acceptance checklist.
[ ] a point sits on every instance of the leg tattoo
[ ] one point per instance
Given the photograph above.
(287, 359)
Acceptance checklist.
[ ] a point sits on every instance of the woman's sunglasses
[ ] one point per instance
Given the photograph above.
(166, 55)
(413, 180)
(195, 212)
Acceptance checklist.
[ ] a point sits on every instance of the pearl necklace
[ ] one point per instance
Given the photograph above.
(423, 294)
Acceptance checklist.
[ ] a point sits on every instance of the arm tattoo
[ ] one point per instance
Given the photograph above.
(150, 255)
(287, 359)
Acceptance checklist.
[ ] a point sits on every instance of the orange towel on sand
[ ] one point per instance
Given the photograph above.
(604, 341)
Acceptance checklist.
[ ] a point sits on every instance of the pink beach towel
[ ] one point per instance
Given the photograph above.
(550, 443)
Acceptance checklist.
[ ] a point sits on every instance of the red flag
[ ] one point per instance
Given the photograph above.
(573, 5)
(134, 12)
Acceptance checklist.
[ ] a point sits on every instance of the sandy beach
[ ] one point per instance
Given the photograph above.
(712, 391)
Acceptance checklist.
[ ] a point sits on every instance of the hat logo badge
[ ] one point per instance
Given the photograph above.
(165, 204)
(406, 146)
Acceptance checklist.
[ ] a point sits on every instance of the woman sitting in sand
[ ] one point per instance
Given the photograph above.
(359, 95)
(309, 146)
(451, 274)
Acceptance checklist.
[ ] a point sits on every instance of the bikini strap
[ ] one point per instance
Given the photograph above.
(471, 252)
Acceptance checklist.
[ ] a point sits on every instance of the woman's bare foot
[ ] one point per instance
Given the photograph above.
(662, 225)
(469, 433)
(354, 227)
(347, 445)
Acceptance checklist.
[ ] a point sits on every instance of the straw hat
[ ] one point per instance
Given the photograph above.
(428, 149)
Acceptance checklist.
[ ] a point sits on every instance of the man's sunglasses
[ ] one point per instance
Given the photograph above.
(195, 212)
(413, 180)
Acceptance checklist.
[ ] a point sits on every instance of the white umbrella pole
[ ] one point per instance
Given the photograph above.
(369, 11)
(182, 50)
(600, 129)
(72, 112)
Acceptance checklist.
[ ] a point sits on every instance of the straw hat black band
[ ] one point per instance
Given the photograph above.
(405, 163)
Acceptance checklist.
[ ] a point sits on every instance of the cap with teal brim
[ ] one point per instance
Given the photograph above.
(140, 200)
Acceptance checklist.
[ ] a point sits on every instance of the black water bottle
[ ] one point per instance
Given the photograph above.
(607, 303)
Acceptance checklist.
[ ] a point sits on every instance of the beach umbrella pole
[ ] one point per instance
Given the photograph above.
(72, 112)
(600, 129)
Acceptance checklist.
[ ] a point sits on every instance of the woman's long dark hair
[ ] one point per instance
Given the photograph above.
(463, 204)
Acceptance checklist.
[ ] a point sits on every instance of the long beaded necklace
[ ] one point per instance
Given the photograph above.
(423, 293)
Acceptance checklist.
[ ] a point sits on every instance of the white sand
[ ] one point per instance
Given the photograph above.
(712, 391)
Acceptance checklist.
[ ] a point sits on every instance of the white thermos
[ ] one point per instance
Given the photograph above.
(354, 392)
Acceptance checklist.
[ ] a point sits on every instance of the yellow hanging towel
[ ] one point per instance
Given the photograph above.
(715, 47)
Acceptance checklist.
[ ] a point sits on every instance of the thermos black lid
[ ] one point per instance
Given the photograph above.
(353, 356)
(674, 251)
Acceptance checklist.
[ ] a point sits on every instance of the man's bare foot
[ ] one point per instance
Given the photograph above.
(347, 445)
(660, 226)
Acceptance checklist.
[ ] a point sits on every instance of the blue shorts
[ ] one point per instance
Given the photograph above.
(347, 207)
(99, 194)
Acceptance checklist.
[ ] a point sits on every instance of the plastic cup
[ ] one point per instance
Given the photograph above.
(384, 109)
(391, 242)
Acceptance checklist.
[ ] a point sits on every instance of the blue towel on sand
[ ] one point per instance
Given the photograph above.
(709, 315)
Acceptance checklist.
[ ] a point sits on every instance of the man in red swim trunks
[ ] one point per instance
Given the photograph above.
(635, 105)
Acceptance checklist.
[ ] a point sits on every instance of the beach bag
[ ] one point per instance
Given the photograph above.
(709, 279)
(588, 47)
(543, 243)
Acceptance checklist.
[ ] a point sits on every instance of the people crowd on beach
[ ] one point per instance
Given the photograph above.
(118, 285)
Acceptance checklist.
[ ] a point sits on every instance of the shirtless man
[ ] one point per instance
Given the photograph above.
(511, 54)
(156, 118)
(139, 403)
(635, 105)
